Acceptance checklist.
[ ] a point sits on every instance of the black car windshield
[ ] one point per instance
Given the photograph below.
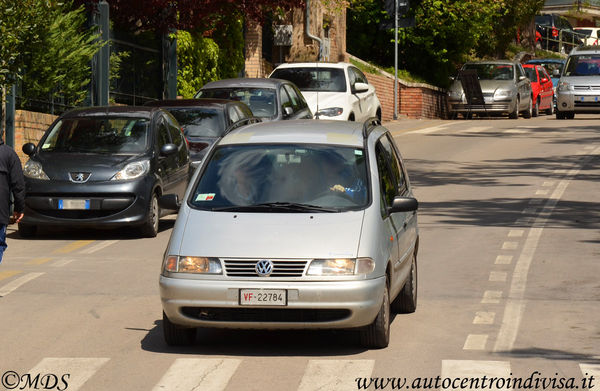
(314, 79)
(199, 121)
(283, 178)
(531, 74)
(492, 71)
(583, 65)
(262, 101)
(124, 135)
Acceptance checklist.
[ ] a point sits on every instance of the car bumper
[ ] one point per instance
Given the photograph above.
(109, 204)
(494, 107)
(578, 101)
(310, 304)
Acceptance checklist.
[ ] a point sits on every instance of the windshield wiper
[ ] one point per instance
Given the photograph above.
(277, 207)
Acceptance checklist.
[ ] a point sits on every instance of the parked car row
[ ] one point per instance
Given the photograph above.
(247, 248)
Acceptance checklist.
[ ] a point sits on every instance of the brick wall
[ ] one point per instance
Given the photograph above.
(415, 100)
(254, 66)
(29, 128)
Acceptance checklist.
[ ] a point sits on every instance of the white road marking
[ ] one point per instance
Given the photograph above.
(98, 247)
(62, 262)
(504, 259)
(536, 201)
(491, 297)
(541, 192)
(73, 371)
(591, 370)
(510, 245)
(474, 371)
(334, 375)
(529, 211)
(561, 171)
(548, 184)
(515, 233)
(477, 129)
(432, 129)
(188, 374)
(515, 305)
(497, 276)
(475, 342)
(515, 131)
(484, 317)
(14, 284)
(589, 147)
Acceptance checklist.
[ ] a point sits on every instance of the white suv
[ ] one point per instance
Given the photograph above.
(333, 91)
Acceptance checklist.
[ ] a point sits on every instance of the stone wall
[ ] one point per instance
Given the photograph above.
(29, 128)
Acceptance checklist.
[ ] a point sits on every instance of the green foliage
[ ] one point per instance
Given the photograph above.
(59, 60)
(21, 26)
(197, 61)
(230, 40)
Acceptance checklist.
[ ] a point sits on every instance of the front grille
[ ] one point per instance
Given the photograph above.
(491, 107)
(281, 268)
(587, 104)
(586, 88)
(278, 315)
(77, 214)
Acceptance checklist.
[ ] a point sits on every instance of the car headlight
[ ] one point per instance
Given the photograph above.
(563, 86)
(330, 112)
(132, 171)
(502, 94)
(340, 267)
(198, 265)
(34, 170)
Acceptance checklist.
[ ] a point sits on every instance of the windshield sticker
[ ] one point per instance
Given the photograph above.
(358, 152)
(205, 197)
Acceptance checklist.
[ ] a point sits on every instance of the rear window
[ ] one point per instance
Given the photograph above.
(492, 71)
(531, 74)
(262, 101)
(199, 122)
(314, 78)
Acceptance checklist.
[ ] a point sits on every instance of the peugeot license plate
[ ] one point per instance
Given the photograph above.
(73, 204)
(273, 297)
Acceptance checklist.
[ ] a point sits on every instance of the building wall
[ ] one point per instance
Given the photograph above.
(29, 128)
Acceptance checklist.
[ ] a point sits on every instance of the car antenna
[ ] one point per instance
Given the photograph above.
(318, 85)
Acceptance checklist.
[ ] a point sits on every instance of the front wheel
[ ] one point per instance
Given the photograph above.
(536, 108)
(377, 334)
(515, 113)
(175, 335)
(150, 227)
(406, 301)
(529, 112)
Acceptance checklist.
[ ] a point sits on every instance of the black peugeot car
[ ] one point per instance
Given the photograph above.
(104, 167)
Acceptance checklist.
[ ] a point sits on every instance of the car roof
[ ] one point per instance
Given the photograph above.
(340, 65)
(204, 102)
(586, 50)
(307, 131)
(103, 111)
(546, 60)
(498, 62)
(245, 82)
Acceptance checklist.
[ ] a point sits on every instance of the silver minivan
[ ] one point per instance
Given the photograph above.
(293, 225)
(578, 89)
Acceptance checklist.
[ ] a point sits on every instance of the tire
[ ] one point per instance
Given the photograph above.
(150, 228)
(27, 230)
(570, 115)
(550, 110)
(529, 112)
(177, 336)
(378, 115)
(515, 113)
(406, 301)
(536, 108)
(377, 334)
(560, 114)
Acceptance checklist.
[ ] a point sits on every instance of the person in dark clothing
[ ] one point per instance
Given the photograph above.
(11, 182)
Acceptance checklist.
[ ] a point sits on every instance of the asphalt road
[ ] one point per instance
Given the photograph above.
(509, 285)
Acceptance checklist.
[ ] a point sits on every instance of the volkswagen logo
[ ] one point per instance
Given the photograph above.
(79, 177)
(264, 267)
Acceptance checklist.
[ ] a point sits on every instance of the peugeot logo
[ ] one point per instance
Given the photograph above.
(264, 267)
(79, 177)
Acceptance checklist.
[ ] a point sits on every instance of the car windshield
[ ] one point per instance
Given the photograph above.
(584, 31)
(199, 121)
(531, 74)
(283, 177)
(262, 101)
(492, 71)
(583, 65)
(543, 20)
(125, 135)
(551, 66)
(314, 79)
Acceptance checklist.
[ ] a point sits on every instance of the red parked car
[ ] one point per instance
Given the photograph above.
(541, 86)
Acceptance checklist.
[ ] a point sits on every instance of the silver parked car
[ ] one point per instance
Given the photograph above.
(293, 225)
(578, 89)
(505, 87)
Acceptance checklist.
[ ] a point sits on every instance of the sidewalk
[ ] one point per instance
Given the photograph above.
(402, 125)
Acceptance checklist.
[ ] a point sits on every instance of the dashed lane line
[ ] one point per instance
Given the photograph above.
(98, 247)
(9, 273)
(73, 246)
(75, 371)
(16, 283)
(334, 375)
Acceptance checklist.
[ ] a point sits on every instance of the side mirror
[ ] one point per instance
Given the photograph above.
(521, 78)
(404, 204)
(29, 149)
(544, 80)
(169, 201)
(452, 78)
(287, 111)
(360, 87)
(168, 149)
